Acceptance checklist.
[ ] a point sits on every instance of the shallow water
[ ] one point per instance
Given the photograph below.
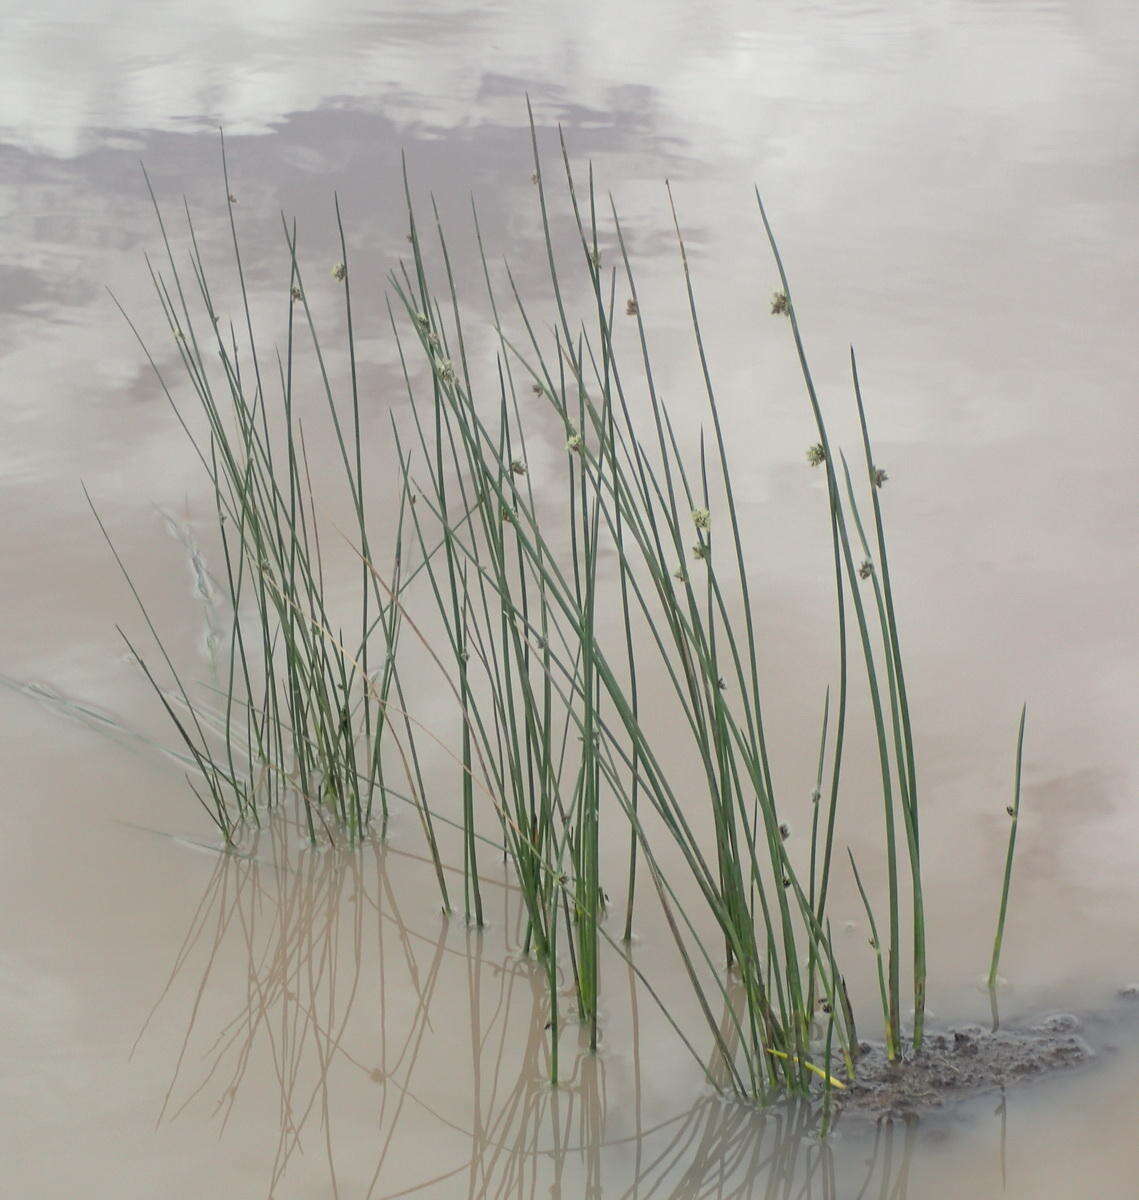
(953, 187)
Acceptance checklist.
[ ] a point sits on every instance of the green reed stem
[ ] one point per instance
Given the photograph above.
(1014, 819)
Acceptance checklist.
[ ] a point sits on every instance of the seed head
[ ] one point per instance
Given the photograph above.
(700, 551)
(534, 177)
(507, 515)
(784, 830)
(680, 575)
(339, 272)
(536, 388)
(1010, 810)
(445, 369)
(701, 518)
(816, 796)
(866, 570)
(420, 319)
(295, 292)
(231, 198)
(721, 684)
(517, 466)
(631, 308)
(780, 304)
(573, 443)
(816, 455)
(879, 477)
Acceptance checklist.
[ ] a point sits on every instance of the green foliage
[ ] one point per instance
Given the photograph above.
(543, 610)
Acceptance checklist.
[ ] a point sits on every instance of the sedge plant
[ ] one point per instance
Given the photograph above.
(540, 609)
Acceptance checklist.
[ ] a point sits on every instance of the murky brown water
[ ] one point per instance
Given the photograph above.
(954, 188)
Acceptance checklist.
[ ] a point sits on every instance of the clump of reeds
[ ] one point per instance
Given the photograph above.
(541, 614)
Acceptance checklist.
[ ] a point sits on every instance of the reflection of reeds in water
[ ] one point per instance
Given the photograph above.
(314, 931)
(335, 993)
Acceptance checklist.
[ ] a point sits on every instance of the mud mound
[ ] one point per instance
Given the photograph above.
(961, 1063)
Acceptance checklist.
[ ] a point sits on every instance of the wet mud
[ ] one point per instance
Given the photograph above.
(961, 1063)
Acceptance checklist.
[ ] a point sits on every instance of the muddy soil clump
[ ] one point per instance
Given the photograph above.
(961, 1063)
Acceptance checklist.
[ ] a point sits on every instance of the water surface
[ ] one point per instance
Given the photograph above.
(954, 190)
